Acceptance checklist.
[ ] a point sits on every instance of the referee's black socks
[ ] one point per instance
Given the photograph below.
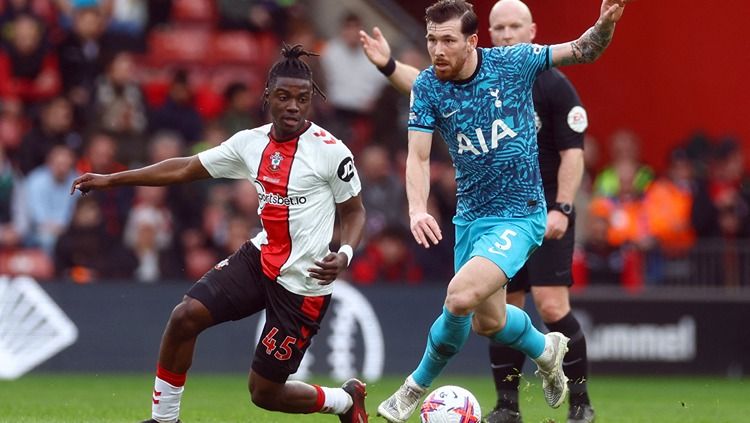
(575, 363)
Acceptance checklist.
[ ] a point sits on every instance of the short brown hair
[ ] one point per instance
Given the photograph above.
(445, 10)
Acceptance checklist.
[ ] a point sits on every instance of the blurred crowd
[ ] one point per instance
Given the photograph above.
(106, 85)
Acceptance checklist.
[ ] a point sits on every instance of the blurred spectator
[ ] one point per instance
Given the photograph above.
(158, 13)
(55, 127)
(241, 108)
(387, 258)
(82, 54)
(184, 201)
(722, 201)
(667, 206)
(128, 19)
(383, 193)
(253, 15)
(624, 157)
(178, 112)
(100, 157)
(120, 107)
(85, 252)
(213, 135)
(12, 126)
(149, 236)
(591, 158)
(13, 216)
(29, 70)
(353, 85)
(601, 263)
(48, 199)
(42, 10)
(627, 225)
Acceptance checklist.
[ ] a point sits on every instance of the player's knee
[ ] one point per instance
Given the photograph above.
(189, 318)
(461, 302)
(553, 311)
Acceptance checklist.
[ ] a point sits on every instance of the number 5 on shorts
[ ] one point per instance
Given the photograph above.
(505, 243)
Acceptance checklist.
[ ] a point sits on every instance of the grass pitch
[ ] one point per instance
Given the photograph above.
(76, 398)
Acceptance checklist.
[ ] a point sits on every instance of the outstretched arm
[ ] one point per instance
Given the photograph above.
(594, 41)
(378, 50)
(170, 171)
(423, 226)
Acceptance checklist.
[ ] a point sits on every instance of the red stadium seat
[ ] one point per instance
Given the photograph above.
(29, 262)
(178, 46)
(234, 48)
(194, 11)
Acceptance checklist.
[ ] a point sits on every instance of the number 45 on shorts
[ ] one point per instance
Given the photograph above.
(283, 352)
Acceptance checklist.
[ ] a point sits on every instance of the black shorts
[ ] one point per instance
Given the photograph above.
(237, 288)
(549, 265)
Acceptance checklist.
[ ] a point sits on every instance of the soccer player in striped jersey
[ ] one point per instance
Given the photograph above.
(481, 102)
(303, 175)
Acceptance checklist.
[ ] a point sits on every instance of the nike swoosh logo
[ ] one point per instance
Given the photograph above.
(447, 115)
(502, 366)
(563, 273)
(568, 363)
(494, 251)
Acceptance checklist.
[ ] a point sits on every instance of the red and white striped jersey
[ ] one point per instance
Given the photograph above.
(299, 182)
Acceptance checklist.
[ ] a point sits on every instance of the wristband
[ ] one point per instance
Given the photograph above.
(347, 250)
(389, 67)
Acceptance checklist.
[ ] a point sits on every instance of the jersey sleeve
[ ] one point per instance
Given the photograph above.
(569, 117)
(343, 177)
(225, 160)
(421, 110)
(532, 59)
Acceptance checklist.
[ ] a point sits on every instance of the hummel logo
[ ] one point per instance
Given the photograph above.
(447, 115)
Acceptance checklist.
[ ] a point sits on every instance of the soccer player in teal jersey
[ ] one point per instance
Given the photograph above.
(480, 101)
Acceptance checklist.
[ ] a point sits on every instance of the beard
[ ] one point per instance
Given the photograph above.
(449, 71)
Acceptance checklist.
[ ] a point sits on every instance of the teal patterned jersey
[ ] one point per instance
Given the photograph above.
(489, 124)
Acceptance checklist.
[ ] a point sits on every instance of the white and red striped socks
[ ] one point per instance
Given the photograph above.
(332, 400)
(168, 389)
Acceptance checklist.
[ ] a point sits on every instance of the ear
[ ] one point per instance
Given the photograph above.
(473, 40)
(532, 31)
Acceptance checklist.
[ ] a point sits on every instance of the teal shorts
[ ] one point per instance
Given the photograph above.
(506, 241)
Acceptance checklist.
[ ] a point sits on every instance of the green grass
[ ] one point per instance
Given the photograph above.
(53, 398)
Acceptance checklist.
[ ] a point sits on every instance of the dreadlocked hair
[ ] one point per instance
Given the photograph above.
(293, 67)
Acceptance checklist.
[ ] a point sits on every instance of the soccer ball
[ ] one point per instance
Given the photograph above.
(450, 404)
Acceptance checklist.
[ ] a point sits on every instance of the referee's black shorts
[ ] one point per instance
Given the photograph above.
(550, 265)
(237, 288)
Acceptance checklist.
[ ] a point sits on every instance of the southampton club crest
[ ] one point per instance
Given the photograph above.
(276, 159)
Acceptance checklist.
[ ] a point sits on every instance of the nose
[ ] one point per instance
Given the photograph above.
(507, 35)
(292, 106)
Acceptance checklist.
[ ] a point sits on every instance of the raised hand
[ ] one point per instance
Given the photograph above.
(425, 229)
(612, 11)
(376, 47)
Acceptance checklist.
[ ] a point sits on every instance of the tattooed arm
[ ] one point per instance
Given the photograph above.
(594, 41)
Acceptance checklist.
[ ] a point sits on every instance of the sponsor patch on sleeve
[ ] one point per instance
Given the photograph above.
(346, 169)
(578, 120)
